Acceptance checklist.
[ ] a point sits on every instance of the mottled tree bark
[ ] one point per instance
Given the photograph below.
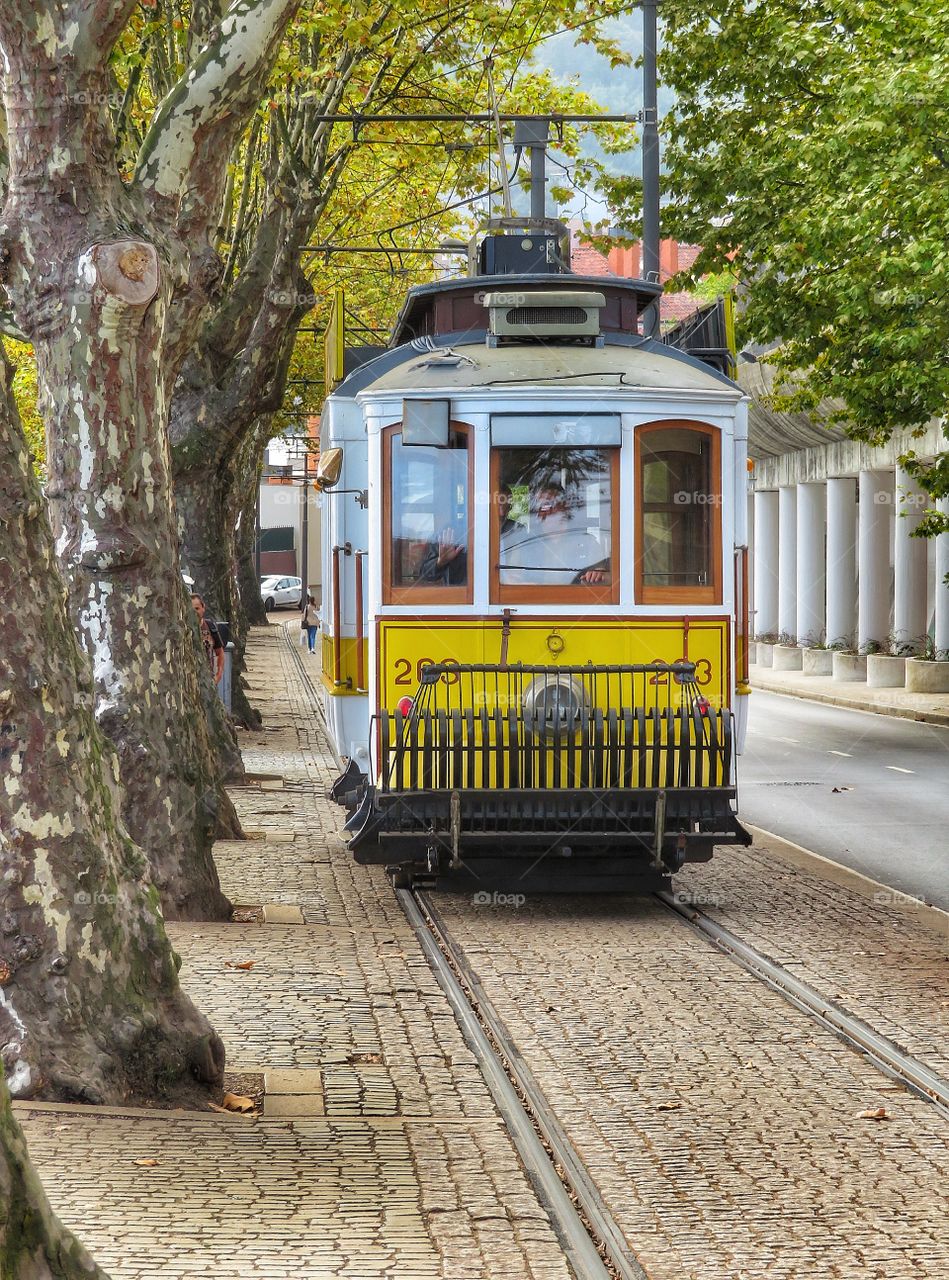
(109, 278)
(90, 1004)
(34, 1244)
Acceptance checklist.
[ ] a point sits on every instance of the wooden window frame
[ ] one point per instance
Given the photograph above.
(581, 593)
(712, 592)
(418, 593)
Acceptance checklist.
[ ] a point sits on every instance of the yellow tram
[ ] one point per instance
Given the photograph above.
(534, 637)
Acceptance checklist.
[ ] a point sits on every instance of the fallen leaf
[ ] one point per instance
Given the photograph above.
(246, 964)
(146, 1164)
(669, 1106)
(877, 1113)
(236, 1102)
(837, 790)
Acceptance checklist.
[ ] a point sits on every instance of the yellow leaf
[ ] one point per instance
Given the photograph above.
(147, 1164)
(873, 1113)
(235, 1102)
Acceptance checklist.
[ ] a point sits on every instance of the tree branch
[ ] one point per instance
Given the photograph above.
(195, 128)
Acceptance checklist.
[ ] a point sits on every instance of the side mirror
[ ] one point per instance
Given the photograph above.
(329, 468)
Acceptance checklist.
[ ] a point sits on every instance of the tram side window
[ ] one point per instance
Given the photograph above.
(428, 518)
(678, 513)
(554, 522)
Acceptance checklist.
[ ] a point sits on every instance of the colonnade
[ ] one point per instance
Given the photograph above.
(834, 560)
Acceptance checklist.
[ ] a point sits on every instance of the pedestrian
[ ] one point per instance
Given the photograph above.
(310, 621)
(210, 638)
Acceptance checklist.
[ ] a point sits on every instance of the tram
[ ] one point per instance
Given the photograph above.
(534, 641)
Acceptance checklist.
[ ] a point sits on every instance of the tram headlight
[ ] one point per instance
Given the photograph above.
(554, 704)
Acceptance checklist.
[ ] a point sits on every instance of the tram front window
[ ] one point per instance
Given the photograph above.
(554, 518)
(428, 516)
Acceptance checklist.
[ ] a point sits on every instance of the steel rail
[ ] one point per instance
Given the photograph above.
(883, 1053)
(474, 1015)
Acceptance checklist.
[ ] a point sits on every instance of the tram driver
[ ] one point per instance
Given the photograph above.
(555, 545)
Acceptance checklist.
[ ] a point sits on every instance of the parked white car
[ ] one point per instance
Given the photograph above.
(280, 592)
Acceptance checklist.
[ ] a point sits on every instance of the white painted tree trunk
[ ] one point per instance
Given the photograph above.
(108, 279)
(90, 1004)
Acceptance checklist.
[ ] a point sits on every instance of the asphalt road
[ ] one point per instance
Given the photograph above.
(866, 790)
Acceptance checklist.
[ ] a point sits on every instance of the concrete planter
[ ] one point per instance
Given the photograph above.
(788, 657)
(818, 662)
(850, 667)
(926, 677)
(753, 651)
(885, 672)
(765, 654)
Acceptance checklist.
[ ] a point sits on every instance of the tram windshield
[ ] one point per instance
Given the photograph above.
(428, 502)
(555, 517)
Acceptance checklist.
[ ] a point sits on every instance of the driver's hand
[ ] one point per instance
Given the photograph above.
(593, 576)
(448, 549)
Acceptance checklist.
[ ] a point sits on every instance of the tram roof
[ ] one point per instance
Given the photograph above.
(443, 306)
(624, 362)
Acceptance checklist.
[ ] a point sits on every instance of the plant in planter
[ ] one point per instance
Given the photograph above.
(818, 658)
(849, 661)
(886, 665)
(765, 642)
(788, 656)
(928, 672)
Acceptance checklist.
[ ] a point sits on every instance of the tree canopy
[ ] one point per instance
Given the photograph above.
(809, 148)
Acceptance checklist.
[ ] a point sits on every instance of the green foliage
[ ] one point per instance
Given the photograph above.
(810, 147)
(25, 394)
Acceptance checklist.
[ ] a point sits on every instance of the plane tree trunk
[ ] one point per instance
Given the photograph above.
(109, 279)
(90, 1004)
(34, 1244)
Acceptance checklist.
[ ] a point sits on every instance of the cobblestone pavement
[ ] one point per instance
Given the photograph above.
(398, 1166)
(874, 957)
(721, 1126)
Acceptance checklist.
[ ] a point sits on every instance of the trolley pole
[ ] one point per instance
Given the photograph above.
(650, 162)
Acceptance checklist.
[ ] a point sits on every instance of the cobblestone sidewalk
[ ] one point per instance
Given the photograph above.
(394, 1164)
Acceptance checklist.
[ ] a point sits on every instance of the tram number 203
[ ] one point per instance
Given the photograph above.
(404, 674)
(403, 670)
(703, 672)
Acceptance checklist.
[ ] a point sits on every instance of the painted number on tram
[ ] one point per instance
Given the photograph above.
(404, 675)
(703, 672)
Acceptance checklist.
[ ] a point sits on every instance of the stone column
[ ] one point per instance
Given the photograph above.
(942, 588)
(766, 562)
(873, 553)
(787, 560)
(910, 612)
(811, 521)
(841, 559)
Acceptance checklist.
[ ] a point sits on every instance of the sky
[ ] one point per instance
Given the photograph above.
(616, 90)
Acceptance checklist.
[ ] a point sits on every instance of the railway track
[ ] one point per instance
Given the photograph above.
(592, 1239)
(593, 1242)
(882, 1052)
